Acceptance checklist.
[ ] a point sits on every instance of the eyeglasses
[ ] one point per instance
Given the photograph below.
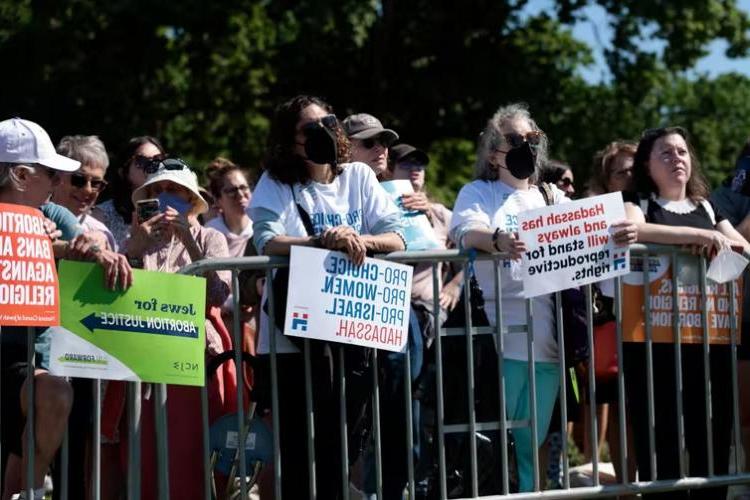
(234, 191)
(168, 164)
(81, 180)
(565, 182)
(381, 140)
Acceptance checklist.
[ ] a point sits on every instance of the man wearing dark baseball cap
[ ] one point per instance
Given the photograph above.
(369, 140)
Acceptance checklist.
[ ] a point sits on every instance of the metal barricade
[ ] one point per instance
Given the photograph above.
(470, 428)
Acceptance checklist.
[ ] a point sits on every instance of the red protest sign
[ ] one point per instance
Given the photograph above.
(28, 278)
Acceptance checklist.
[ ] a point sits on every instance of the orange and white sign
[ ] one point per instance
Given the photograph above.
(689, 303)
(28, 278)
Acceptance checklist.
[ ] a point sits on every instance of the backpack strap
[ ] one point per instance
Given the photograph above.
(547, 194)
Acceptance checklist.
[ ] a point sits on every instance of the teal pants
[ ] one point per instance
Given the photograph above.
(517, 408)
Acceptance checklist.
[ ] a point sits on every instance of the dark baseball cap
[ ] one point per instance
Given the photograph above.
(364, 126)
(402, 152)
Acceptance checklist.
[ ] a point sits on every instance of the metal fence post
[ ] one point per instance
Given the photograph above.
(440, 410)
(532, 391)
(162, 440)
(500, 340)
(706, 367)
(676, 331)
(96, 452)
(594, 429)
(134, 441)
(274, 388)
(560, 326)
(470, 389)
(621, 417)
(30, 412)
(649, 363)
(344, 435)
(735, 383)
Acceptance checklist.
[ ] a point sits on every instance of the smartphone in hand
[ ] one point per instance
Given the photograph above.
(145, 209)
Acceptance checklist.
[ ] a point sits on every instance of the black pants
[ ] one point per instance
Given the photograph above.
(694, 411)
(325, 379)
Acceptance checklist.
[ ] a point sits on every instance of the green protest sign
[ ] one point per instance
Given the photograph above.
(153, 332)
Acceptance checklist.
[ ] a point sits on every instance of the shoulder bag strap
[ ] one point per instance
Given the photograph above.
(549, 197)
(306, 221)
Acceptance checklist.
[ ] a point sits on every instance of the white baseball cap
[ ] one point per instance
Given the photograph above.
(23, 141)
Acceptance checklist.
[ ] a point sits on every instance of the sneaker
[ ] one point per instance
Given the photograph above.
(38, 495)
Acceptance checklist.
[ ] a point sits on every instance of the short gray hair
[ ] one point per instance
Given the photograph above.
(491, 139)
(88, 149)
(8, 177)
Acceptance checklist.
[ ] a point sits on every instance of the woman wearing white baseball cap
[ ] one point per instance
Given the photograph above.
(28, 174)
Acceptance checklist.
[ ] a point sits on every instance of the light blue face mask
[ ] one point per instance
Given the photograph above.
(167, 199)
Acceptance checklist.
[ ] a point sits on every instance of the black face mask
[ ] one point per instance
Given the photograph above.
(320, 144)
(521, 161)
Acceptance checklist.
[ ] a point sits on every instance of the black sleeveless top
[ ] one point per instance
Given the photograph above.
(698, 218)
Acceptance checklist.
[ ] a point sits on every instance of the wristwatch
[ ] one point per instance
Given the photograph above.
(496, 237)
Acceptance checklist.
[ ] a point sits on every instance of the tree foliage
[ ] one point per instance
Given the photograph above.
(205, 75)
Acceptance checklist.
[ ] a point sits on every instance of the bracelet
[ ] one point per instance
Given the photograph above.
(495, 238)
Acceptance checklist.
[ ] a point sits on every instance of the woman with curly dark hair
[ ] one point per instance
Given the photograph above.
(310, 196)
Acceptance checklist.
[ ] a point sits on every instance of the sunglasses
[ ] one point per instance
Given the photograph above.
(328, 121)
(381, 140)
(168, 164)
(234, 191)
(565, 182)
(80, 181)
(143, 162)
(411, 166)
(534, 138)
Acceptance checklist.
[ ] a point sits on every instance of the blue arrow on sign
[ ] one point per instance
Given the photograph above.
(138, 325)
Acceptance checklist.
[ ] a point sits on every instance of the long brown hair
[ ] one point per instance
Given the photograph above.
(696, 188)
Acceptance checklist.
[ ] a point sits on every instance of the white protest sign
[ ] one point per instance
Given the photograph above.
(332, 299)
(418, 231)
(570, 244)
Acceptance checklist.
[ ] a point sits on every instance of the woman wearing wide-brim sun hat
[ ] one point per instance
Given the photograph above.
(168, 241)
(173, 237)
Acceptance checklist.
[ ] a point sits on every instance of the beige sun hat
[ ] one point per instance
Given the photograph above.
(177, 171)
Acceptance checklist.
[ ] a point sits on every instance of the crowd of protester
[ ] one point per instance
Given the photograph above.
(317, 165)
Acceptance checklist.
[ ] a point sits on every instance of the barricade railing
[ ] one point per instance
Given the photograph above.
(471, 427)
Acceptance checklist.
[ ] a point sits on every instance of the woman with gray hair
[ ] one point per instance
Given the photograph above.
(511, 151)
(77, 191)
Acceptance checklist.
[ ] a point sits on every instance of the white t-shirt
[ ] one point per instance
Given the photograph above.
(235, 242)
(491, 204)
(354, 198)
